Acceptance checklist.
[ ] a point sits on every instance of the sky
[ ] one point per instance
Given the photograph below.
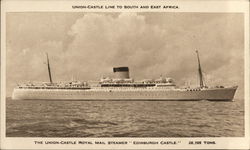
(88, 45)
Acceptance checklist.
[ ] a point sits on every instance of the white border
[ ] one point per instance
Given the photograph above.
(66, 6)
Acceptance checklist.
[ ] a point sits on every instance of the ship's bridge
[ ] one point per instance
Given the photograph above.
(122, 79)
(162, 82)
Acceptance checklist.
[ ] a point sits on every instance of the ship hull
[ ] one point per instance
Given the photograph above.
(219, 94)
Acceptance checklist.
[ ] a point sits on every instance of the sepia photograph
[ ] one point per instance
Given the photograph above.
(83, 75)
(125, 74)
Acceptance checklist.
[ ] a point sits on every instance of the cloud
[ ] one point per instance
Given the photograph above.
(103, 41)
(150, 44)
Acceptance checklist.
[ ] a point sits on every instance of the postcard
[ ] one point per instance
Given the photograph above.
(124, 74)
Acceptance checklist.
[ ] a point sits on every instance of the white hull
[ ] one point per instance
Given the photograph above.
(124, 94)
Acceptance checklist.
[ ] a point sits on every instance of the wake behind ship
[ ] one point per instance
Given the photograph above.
(122, 87)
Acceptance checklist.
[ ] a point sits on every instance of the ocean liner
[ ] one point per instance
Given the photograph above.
(122, 87)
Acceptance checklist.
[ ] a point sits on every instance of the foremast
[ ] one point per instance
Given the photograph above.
(200, 71)
(50, 77)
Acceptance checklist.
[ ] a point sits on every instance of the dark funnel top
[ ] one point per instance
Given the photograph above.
(120, 69)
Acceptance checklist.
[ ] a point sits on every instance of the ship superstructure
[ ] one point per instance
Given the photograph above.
(122, 87)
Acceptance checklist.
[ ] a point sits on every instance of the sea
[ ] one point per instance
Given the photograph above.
(43, 118)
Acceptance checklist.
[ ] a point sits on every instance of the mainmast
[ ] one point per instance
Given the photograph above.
(50, 78)
(200, 71)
